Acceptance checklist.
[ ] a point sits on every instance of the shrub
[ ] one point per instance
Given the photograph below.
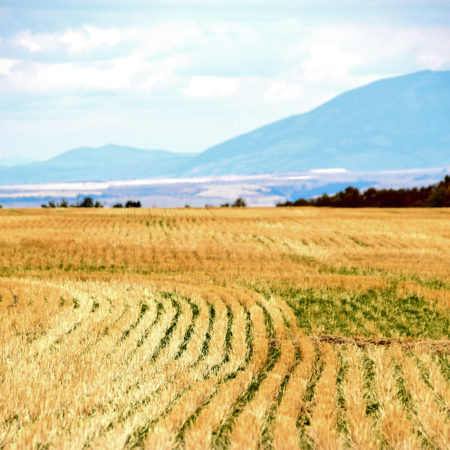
(87, 202)
(133, 204)
(239, 203)
(53, 204)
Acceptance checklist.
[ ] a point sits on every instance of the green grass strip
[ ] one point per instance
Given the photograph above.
(221, 436)
(190, 331)
(205, 345)
(341, 419)
(249, 353)
(143, 310)
(404, 396)
(169, 332)
(304, 417)
(425, 375)
(444, 365)
(227, 343)
(266, 433)
(369, 390)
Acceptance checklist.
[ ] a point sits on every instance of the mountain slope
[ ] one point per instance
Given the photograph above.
(9, 161)
(395, 123)
(392, 124)
(110, 162)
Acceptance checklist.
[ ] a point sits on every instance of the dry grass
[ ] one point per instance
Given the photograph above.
(200, 328)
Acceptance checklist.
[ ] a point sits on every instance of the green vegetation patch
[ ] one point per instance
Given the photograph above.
(376, 312)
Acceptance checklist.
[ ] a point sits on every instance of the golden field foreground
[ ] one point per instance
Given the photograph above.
(230, 327)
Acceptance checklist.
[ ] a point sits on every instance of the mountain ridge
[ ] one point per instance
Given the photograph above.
(369, 128)
(334, 127)
(103, 163)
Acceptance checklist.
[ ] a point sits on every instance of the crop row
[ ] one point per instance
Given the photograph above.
(188, 366)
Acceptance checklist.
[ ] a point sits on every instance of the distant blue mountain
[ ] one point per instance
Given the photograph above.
(110, 162)
(9, 161)
(394, 123)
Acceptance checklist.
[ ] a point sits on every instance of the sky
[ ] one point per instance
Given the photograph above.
(186, 75)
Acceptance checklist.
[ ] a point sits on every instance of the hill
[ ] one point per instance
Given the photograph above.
(391, 124)
(110, 162)
(11, 160)
(397, 123)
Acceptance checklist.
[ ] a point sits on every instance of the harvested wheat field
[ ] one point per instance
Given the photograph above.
(230, 327)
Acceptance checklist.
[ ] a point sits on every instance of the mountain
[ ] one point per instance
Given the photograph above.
(110, 162)
(9, 161)
(394, 123)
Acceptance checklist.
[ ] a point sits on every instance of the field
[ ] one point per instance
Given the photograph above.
(225, 327)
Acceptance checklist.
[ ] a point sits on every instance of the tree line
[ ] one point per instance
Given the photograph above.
(89, 202)
(436, 195)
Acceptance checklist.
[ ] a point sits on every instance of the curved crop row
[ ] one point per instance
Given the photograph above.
(202, 366)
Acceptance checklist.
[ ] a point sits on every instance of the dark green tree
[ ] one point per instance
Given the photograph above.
(133, 204)
(87, 202)
(239, 203)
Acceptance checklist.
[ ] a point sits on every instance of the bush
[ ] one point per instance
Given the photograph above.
(53, 204)
(132, 204)
(239, 203)
(117, 205)
(87, 202)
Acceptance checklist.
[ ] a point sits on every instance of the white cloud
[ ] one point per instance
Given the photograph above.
(433, 61)
(201, 87)
(380, 48)
(89, 38)
(25, 40)
(283, 91)
(6, 64)
(84, 40)
(328, 61)
(218, 56)
(133, 72)
(165, 37)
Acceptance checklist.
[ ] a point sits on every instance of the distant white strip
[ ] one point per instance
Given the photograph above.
(337, 170)
(44, 194)
(73, 190)
(91, 186)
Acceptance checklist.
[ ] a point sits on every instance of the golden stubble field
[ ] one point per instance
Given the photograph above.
(215, 328)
